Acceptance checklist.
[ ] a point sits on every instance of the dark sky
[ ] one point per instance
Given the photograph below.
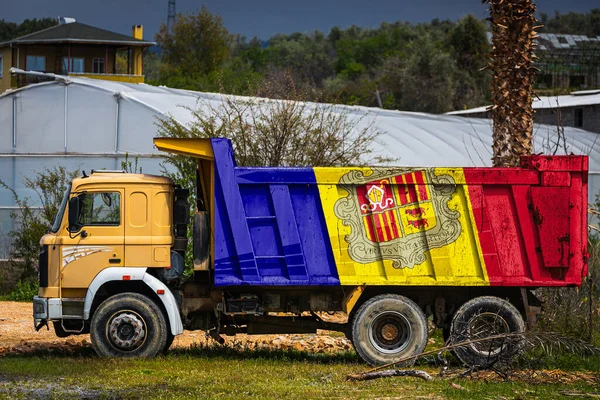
(263, 18)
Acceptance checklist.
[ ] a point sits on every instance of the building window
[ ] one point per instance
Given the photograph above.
(98, 66)
(544, 81)
(76, 64)
(36, 63)
(578, 117)
(576, 81)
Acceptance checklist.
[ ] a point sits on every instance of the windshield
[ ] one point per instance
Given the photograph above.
(61, 210)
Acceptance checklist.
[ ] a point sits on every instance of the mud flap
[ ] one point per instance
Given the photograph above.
(201, 240)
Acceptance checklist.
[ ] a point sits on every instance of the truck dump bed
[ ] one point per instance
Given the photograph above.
(400, 226)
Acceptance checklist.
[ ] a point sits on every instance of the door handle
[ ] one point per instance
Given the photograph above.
(114, 260)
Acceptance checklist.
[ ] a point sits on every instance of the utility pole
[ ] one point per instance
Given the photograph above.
(171, 15)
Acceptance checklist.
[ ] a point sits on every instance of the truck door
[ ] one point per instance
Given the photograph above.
(99, 244)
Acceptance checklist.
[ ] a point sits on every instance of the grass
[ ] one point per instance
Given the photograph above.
(232, 373)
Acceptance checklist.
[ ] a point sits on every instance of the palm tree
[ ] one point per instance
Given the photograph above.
(513, 33)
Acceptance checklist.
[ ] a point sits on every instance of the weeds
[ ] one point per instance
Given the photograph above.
(240, 371)
(23, 291)
(31, 223)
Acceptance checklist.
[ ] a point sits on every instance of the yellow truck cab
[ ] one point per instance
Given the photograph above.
(111, 228)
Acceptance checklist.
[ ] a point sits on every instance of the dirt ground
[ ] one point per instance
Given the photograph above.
(17, 335)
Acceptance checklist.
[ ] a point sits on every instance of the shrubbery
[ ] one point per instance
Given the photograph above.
(575, 311)
(30, 224)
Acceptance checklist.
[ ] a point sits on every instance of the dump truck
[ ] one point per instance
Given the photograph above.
(134, 259)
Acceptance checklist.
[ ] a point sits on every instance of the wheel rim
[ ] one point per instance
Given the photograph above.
(126, 330)
(390, 332)
(485, 325)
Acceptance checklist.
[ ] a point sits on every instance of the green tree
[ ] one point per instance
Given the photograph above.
(152, 63)
(572, 23)
(469, 43)
(253, 52)
(424, 81)
(470, 49)
(357, 66)
(197, 45)
(12, 30)
(307, 56)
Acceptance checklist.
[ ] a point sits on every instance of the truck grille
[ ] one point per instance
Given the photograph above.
(43, 266)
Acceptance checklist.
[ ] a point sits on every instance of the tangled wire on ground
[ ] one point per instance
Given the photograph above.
(508, 353)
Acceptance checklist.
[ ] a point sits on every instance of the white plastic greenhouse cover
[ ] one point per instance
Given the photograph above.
(91, 124)
(575, 99)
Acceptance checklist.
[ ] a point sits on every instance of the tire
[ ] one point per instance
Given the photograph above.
(481, 317)
(388, 328)
(128, 325)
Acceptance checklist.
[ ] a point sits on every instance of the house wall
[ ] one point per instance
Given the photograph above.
(56, 53)
(591, 117)
(6, 54)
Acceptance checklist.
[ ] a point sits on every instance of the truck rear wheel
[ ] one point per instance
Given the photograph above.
(128, 325)
(483, 317)
(388, 328)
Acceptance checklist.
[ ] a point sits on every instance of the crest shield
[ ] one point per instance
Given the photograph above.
(397, 214)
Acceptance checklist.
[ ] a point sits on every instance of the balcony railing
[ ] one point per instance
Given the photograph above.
(21, 80)
(128, 78)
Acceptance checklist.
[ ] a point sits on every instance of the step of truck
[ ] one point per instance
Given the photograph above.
(72, 316)
(72, 308)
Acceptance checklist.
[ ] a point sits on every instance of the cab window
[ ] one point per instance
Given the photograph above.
(101, 209)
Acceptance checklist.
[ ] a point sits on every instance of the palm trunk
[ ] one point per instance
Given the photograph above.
(513, 32)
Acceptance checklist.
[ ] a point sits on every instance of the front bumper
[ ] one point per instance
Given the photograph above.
(40, 311)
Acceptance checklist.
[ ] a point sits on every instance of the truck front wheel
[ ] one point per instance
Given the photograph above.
(128, 325)
(388, 328)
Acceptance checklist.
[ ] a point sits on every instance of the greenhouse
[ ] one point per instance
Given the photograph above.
(89, 124)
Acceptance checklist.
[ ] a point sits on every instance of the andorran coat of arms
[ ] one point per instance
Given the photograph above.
(397, 214)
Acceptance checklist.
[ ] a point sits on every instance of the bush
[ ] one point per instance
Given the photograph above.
(23, 291)
(575, 311)
(265, 132)
(32, 223)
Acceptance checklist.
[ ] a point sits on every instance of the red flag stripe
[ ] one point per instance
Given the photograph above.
(393, 224)
(386, 226)
(378, 228)
(401, 188)
(369, 226)
(421, 186)
(412, 193)
(361, 192)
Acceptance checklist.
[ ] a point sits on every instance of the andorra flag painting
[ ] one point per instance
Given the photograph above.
(394, 207)
(397, 214)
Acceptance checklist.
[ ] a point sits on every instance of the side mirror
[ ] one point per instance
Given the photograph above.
(107, 199)
(74, 214)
